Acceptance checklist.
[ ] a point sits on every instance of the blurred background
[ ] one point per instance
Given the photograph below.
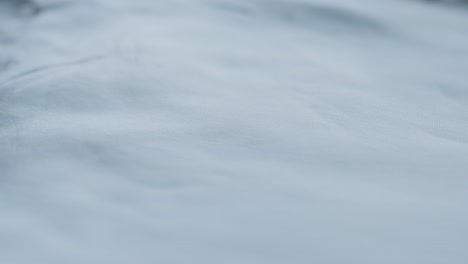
(233, 131)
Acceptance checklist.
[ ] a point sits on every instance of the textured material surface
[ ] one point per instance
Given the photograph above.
(229, 131)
